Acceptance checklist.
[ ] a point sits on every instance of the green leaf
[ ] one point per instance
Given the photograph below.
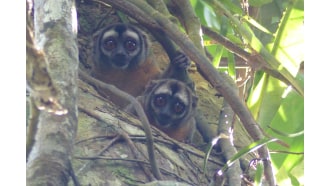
(289, 118)
(232, 7)
(257, 25)
(271, 101)
(288, 45)
(208, 151)
(294, 180)
(217, 57)
(259, 173)
(231, 66)
(256, 96)
(294, 177)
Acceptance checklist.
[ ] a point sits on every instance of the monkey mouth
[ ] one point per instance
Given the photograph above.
(120, 60)
(120, 63)
(164, 121)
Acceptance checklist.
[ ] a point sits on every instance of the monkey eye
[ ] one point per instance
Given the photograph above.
(130, 45)
(109, 44)
(160, 101)
(179, 108)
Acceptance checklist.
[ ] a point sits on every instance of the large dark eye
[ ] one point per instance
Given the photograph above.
(130, 45)
(109, 44)
(178, 108)
(160, 101)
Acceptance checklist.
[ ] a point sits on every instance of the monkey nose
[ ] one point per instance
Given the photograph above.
(120, 63)
(164, 119)
(120, 60)
(120, 57)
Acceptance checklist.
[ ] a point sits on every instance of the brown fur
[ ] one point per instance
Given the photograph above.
(131, 81)
(184, 132)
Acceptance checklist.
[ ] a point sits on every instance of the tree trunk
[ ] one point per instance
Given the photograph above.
(55, 33)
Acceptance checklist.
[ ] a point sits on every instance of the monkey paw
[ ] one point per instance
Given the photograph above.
(181, 60)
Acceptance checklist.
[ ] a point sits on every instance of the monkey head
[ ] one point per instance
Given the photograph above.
(170, 103)
(120, 46)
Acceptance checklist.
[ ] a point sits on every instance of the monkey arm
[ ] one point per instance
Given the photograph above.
(178, 69)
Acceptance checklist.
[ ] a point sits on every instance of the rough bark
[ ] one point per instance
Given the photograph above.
(55, 34)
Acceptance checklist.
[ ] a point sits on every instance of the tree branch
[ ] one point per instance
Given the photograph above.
(225, 128)
(190, 22)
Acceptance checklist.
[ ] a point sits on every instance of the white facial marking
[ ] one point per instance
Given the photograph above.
(182, 95)
(163, 89)
(109, 33)
(132, 34)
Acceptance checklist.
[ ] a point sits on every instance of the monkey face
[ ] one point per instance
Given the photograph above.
(171, 102)
(121, 46)
(167, 109)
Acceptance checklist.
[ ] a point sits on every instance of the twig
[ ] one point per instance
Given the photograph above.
(187, 148)
(94, 138)
(73, 175)
(286, 152)
(101, 152)
(134, 150)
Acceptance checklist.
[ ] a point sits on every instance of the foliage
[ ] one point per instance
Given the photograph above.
(277, 27)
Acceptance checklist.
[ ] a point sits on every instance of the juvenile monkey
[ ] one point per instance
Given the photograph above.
(121, 57)
(170, 106)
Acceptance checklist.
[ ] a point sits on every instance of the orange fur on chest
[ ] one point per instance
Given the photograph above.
(181, 133)
(131, 81)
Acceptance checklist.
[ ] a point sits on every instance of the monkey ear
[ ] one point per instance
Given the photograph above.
(194, 101)
(145, 45)
(95, 39)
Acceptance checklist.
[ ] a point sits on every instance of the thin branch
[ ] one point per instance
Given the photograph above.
(136, 153)
(112, 141)
(286, 152)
